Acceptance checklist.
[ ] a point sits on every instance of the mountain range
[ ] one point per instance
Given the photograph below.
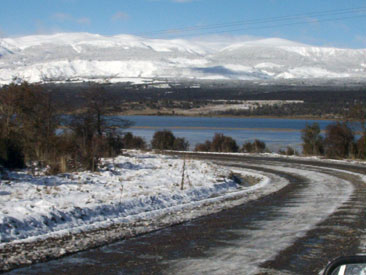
(66, 57)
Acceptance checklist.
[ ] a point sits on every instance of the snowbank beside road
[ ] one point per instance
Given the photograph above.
(34, 207)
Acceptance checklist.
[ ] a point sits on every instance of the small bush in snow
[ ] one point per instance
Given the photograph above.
(219, 143)
(222, 143)
(288, 152)
(165, 140)
(313, 142)
(339, 141)
(180, 144)
(257, 146)
(361, 147)
(247, 147)
(11, 154)
(203, 147)
(129, 141)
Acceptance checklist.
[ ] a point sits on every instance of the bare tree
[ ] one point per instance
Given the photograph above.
(97, 133)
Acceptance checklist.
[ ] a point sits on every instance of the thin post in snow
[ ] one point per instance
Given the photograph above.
(184, 168)
(189, 180)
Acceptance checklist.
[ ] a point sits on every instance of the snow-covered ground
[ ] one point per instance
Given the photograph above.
(37, 207)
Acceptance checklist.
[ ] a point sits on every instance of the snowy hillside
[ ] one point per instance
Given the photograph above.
(84, 56)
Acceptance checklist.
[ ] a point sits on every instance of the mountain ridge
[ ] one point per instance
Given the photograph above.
(92, 57)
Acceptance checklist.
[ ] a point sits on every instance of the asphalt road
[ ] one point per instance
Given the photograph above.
(318, 216)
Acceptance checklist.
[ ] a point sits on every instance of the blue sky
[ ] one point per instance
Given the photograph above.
(337, 23)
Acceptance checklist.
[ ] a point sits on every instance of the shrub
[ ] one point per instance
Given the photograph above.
(203, 147)
(165, 140)
(113, 145)
(288, 152)
(361, 147)
(219, 143)
(66, 154)
(180, 144)
(11, 154)
(257, 146)
(338, 140)
(222, 143)
(129, 141)
(247, 147)
(312, 140)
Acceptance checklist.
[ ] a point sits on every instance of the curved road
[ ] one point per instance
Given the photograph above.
(319, 215)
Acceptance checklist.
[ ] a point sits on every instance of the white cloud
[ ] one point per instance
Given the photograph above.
(120, 16)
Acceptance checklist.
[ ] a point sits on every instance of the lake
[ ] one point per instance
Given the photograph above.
(276, 133)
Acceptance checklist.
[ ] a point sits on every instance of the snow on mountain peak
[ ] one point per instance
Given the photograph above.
(85, 56)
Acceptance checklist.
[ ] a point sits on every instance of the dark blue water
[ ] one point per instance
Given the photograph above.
(277, 133)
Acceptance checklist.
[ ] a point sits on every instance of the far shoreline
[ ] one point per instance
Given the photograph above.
(227, 116)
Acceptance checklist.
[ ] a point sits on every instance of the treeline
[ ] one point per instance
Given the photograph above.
(222, 143)
(250, 92)
(316, 109)
(165, 140)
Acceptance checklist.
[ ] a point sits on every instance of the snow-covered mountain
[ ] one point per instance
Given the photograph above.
(84, 56)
